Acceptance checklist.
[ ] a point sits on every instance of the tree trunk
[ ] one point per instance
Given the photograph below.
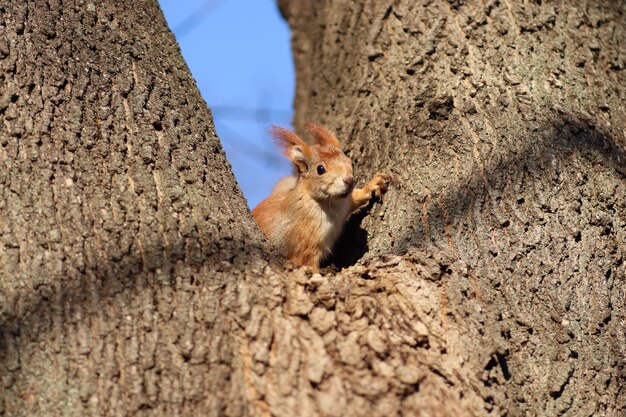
(123, 233)
(133, 280)
(503, 124)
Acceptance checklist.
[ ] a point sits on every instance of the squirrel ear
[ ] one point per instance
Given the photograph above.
(322, 135)
(299, 159)
(293, 147)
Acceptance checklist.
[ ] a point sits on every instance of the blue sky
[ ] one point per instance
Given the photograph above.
(239, 53)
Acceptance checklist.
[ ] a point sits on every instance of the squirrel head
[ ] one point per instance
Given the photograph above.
(323, 169)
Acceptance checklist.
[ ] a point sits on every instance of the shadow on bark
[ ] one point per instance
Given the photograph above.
(568, 135)
(352, 243)
(86, 294)
(573, 132)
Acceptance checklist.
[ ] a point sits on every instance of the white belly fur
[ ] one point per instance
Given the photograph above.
(332, 218)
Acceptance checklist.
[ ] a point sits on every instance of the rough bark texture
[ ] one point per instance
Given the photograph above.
(120, 221)
(504, 125)
(133, 280)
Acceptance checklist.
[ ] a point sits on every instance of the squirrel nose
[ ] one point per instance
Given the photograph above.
(349, 181)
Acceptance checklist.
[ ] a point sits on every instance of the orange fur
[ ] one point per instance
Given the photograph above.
(304, 215)
(286, 140)
(322, 135)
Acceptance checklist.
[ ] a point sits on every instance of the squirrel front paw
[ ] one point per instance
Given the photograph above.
(379, 183)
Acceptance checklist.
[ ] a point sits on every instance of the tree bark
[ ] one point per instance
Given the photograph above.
(133, 280)
(503, 124)
(123, 232)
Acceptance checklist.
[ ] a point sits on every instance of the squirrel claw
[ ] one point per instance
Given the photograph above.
(379, 184)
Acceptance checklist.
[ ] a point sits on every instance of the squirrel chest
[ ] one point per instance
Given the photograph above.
(303, 228)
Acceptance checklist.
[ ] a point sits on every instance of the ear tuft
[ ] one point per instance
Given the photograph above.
(293, 147)
(323, 136)
(287, 139)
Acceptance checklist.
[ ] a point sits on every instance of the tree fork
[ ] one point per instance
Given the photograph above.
(134, 281)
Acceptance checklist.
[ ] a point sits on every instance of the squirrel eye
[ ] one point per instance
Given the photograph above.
(321, 169)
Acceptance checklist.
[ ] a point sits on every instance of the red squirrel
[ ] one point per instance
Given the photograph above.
(304, 214)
